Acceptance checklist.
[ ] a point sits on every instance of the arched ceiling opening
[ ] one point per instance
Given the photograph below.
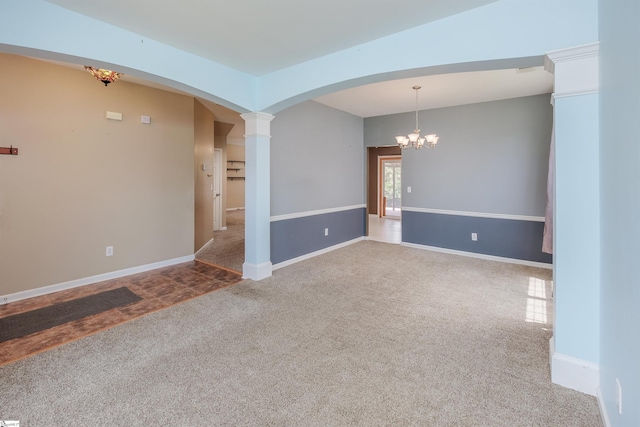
(443, 39)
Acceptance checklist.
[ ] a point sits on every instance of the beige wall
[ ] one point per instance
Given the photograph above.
(81, 182)
(235, 187)
(203, 125)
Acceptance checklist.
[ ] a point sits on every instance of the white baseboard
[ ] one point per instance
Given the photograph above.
(574, 373)
(90, 280)
(223, 228)
(480, 256)
(316, 253)
(256, 271)
(603, 408)
(204, 247)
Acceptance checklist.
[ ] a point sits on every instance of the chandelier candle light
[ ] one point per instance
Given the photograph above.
(414, 140)
(105, 76)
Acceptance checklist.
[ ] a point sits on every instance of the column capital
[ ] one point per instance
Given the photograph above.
(575, 70)
(257, 123)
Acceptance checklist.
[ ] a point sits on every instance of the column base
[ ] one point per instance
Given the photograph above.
(256, 272)
(573, 373)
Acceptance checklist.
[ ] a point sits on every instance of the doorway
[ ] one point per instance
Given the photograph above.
(390, 187)
(384, 205)
(227, 248)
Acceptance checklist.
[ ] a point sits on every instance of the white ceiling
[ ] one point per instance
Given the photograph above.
(258, 36)
(444, 90)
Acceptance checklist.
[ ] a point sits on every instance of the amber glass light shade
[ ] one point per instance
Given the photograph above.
(105, 76)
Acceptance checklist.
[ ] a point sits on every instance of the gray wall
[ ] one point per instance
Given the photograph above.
(492, 157)
(317, 160)
(497, 237)
(300, 236)
(620, 208)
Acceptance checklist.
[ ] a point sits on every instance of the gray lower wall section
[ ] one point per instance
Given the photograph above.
(292, 238)
(498, 237)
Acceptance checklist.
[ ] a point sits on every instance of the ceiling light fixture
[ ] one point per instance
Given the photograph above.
(414, 140)
(105, 76)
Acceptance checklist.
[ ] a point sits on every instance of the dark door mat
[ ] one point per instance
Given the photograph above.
(23, 324)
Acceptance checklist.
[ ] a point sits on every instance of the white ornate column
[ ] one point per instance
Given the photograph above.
(575, 345)
(257, 243)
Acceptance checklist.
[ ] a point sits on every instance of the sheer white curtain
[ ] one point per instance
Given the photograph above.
(547, 237)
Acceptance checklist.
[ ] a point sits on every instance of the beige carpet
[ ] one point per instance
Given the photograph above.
(369, 335)
(227, 248)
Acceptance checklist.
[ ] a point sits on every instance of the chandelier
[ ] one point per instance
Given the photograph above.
(414, 139)
(105, 76)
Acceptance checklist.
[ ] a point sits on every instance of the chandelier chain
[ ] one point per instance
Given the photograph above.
(417, 126)
(414, 139)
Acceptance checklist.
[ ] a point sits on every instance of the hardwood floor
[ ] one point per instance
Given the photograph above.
(388, 229)
(159, 289)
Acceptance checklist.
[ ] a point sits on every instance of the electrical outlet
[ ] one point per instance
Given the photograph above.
(474, 237)
(326, 231)
(619, 396)
(109, 251)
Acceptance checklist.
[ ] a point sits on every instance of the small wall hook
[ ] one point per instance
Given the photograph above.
(10, 151)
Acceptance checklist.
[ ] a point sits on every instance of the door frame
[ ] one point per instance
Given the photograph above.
(217, 189)
(382, 209)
